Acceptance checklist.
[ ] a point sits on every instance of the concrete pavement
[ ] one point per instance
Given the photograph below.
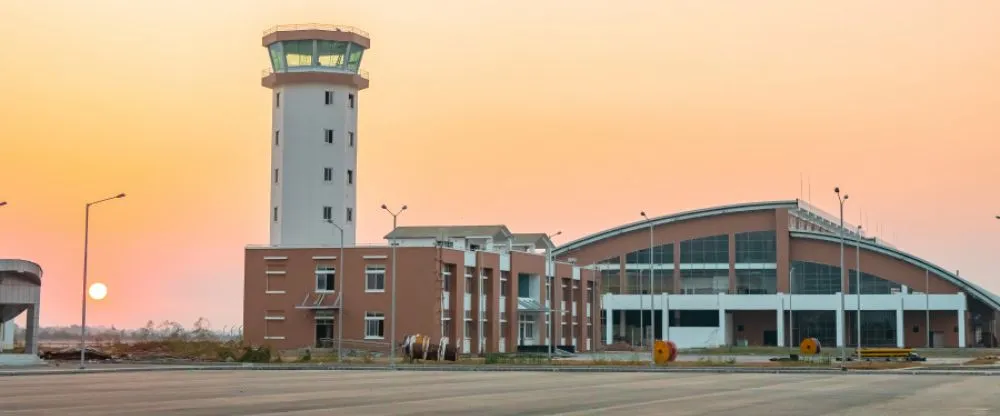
(225, 392)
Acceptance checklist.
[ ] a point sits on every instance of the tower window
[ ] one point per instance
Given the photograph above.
(327, 213)
(350, 100)
(277, 99)
(277, 137)
(350, 215)
(328, 98)
(276, 175)
(275, 214)
(327, 174)
(328, 135)
(350, 138)
(350, 176)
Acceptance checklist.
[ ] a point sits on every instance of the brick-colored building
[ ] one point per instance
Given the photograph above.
(293, 296)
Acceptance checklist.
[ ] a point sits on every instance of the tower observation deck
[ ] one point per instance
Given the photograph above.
(315, 76)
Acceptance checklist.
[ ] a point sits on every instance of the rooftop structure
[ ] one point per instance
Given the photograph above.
(20, 291)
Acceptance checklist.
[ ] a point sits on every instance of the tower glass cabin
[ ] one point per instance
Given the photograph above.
(314, 78)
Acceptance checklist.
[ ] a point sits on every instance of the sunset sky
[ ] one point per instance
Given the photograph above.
(542, 115)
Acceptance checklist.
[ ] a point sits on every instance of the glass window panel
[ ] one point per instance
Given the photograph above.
(756, 282)
(298, 52)
(713, 249)
(815, 279)
(354, 58)
(331, 53)
(276, 62)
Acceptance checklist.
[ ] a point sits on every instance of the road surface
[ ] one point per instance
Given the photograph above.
(494, 393)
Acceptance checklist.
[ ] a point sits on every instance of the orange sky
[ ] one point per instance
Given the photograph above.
(556, 115)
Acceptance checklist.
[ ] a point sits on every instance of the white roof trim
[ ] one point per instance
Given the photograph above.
(678, 217)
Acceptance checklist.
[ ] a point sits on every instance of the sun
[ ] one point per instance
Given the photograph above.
(98, 291)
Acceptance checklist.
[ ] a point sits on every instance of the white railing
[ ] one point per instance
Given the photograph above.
(315, 68)
(316, 26)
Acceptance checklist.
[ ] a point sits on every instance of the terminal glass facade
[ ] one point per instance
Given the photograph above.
(815, 279)
(714, 249)
(756, 247)
(872, 284)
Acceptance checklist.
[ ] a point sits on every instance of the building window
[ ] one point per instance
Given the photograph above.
(328, 98)
(815, 279)
(350, 176)
(662, 254)
(326, 277)
(374, 325)
(756, 281)
(277, 99)
(275, 175)
(375, 278)
(328, 136)
(350, 100)
(756, 247)
(871, 284)
(327, 213)
(350, 138)
(704, 281)
(350, 215)
(504, 283)
(275, 214)
(277, 137)
(327, 174)
(714, 249)
(611, 281)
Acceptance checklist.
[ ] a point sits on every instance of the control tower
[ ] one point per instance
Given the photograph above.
(314, 78)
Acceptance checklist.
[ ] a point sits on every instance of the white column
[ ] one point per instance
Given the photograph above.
(900, 331)
(961, 328)
(609, 323)
(664, 315)
(781, 319)
(840, 322)
(723, 325)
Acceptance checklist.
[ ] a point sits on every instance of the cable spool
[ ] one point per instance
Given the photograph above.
(810, 346)
(664, 352)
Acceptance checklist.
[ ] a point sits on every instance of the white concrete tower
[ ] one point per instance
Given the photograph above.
(315, 78)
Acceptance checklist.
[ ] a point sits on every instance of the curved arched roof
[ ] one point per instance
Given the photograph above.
(23, 268)
(667, 219)
(971, 288)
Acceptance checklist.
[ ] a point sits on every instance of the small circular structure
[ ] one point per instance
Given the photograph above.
(20, 291)
(810, 346)
(664, 352)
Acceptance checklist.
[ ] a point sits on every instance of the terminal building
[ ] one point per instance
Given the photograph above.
(764, 273)
(769, 273)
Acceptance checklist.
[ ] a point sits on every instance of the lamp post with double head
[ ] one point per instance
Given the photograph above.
(843, 333)
(340, 275)
(392, 308)
(86, 240)
(652, 310)
(551, 278)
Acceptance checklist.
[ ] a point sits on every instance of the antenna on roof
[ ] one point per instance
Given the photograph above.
(809, 196)
(800, 185)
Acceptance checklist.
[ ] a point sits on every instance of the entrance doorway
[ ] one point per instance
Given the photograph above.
(324, 333)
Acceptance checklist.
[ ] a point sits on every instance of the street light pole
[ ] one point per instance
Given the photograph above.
(83, 314)
(340, 275)
(857, 289)
(552, 293)
(652, 299)
(392, 308)
(843, 333)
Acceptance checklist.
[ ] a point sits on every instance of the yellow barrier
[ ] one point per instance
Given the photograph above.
(884, 352)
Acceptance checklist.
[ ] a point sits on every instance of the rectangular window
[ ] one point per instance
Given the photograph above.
(326, 277)
(328, 98)
(275, 175)
(375, 278)
(350, 215)
(328, 136)
(350, 138)
(277, 99)
(374, 325)
(277, 137)
(275, 215)
(327, 174)
(327, 213)
(350, 177)
(350, 100)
